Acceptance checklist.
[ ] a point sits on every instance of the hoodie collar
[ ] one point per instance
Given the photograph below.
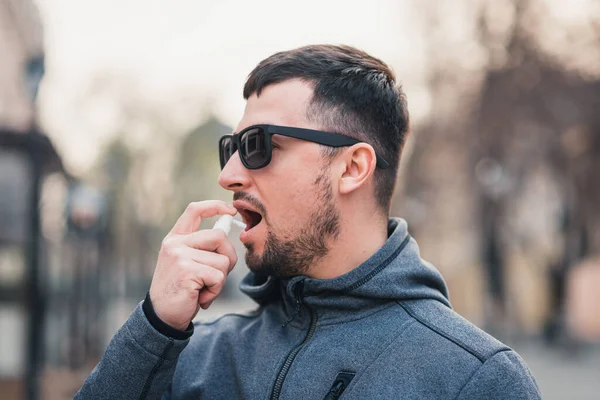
(395, 272)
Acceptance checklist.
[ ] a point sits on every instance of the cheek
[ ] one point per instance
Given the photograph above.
(291, 204)
(303, 202)
(291, 197)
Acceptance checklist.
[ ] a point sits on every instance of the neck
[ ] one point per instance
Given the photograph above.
(358, 240)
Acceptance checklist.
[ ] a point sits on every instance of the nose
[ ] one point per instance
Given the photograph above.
(234, 176)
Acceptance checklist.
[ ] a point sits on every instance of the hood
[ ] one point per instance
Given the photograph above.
(395, 272)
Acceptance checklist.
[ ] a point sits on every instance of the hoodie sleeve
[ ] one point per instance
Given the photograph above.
(139, 363)
(502, 376)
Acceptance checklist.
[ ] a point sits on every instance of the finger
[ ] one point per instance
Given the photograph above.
(215, 260)
(211, 282)
(206, 296)
(214, 240)
(190, 220)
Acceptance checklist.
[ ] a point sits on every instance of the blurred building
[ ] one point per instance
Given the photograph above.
(33, 197)
(20, 42)
(20, 47)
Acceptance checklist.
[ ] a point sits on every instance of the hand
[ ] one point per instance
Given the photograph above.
(192, 265)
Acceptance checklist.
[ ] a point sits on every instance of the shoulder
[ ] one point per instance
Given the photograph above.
(490, 369)
(502, 376)
(448, 327)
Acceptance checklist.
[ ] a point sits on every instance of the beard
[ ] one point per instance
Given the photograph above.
(286, 258)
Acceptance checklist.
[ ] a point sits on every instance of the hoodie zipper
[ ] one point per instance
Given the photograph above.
(290, 358)
(336, 391)
(339, 385)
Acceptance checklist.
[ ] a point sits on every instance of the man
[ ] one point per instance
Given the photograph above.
(346, 305)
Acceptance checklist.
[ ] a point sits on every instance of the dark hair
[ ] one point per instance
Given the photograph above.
(355, 94)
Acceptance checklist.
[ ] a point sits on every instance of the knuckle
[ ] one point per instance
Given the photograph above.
(172, 251)
(193, 207)
(166, 242)
(222, 278)
(223, 263)
(219, 276)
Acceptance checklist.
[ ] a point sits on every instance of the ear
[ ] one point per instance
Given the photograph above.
(359, 164)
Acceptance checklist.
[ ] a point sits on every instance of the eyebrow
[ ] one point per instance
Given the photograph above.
(248, 126)
(280, 138)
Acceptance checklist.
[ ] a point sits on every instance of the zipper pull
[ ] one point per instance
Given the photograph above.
(298, 288)
(342, 380)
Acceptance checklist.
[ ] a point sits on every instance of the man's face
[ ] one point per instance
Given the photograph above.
(292, 197)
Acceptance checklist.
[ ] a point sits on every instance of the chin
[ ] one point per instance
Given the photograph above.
(253, 260)
(255, 263)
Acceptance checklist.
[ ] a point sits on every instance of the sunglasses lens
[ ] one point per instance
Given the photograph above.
(227, 148)
(254, 148)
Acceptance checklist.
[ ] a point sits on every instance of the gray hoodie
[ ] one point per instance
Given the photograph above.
(384, 330)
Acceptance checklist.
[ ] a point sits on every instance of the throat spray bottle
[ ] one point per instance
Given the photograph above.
(225, 221)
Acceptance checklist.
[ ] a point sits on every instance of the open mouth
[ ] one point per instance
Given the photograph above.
(251, 218)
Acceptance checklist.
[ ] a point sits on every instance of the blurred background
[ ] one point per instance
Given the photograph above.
(110, 113)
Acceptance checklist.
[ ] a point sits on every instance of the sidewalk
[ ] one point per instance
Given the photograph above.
(562, 374)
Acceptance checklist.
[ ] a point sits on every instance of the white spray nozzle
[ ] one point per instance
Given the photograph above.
(225, 221)
(239, 224)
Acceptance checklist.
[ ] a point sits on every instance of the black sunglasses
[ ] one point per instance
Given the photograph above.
(255, 146)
